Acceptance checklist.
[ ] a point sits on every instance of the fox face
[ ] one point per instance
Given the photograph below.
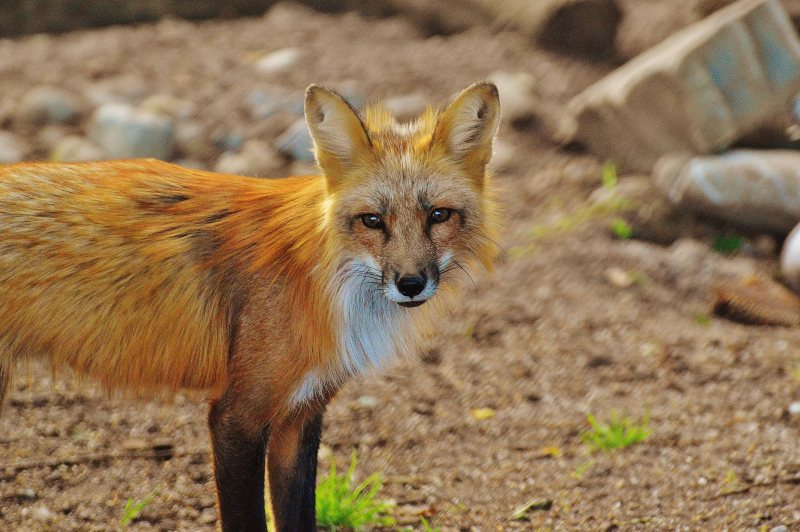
(409, 202)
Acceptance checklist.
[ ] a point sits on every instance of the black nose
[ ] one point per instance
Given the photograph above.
(411, 285)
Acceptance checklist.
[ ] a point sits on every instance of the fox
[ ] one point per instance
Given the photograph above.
(267, 295)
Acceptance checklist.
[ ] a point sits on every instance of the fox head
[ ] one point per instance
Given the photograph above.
(409, 202)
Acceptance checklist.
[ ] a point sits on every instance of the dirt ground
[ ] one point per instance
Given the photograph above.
(572, 322)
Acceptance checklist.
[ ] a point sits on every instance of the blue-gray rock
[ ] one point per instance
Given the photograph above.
(44, 105)
(229, 140)
(296, 142)
(12, 150)
(126, 132)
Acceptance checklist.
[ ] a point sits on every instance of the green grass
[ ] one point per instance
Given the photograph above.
(427, 527)
(133, 508)
(343, 504)
(621, 229)
(610, 175)
(618, 433)
(728, 244)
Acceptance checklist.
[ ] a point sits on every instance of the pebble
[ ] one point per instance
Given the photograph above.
(279, 61)
(190, 139)
(74, 148)
(128, 88)
(503, 156)
(406, 107)
(780, 528)
(126, 132)
(619, 277)
(43, 513)
(790, 259)
(296, 142)
(12, 150)
(207, 517)
(520, 103)
(794, 408)
(367, 401)
(168, 105)
(44, 105)
(257, 158)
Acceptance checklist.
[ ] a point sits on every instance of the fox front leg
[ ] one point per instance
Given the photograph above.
(239, 455)
(292, 464)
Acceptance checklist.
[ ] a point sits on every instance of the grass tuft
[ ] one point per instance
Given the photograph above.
(341, 503)
(133, 508)
(618, 433)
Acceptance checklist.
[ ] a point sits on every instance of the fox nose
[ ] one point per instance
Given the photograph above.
(411, 285)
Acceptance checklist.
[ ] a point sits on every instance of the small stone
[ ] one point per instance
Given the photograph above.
(74, 148)
(168, 105)
(296, 142)
(279, 61)
(702, 481)
(191, 140)
(790, 259)
(618, 277)
(481, 414)
(257, 158)
(263, 104)
(367, 401)
(12, 150)
(229, 140)
(406, 107)
(325, 452)
(779, 528)
(520, 104)
(504, 156)
(126, 132)
(43, 513)
(794, 408)
(44, 105)
(207, 517)
(50, 135)
(128, 89)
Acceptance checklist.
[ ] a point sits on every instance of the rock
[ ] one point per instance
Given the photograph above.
(753, 189)
(296, 142)
(790, 259)
(279, 61)
(127, 88)
(168, 105)
(503, 156)
(43, 513)
(779, 528)
(126, 132)
(50, 135)
(257, 158)
(583, 27)
(406, 107)
(618, 277)
(12, 149)
(516, 94)
(794, 408)
(367, 401)
(229, 140)
(191, 140)
(74, 148)
(697, 92)
(44, 105)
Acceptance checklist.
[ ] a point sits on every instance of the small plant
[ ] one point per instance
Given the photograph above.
(610, 175)
(728, 244)
(343, 504)
(618, 433)
(133, 508)
(621, 229)
(427, 527)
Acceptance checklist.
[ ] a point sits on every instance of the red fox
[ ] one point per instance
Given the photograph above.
(267, 293)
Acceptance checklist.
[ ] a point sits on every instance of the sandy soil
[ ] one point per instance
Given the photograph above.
(550, 337)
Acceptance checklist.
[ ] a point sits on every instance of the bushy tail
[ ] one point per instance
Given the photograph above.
(6, 365)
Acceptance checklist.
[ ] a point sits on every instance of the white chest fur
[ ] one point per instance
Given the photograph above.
(373, 332)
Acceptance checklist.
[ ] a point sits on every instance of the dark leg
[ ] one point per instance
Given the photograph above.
(238, 469)
(292, 464)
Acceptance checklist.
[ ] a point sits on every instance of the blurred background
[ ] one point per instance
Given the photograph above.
(632, 364)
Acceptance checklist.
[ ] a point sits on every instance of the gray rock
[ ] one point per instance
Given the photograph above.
(51, 134)
(44, 105)
(12, 149)
(279, 61)
(697, 92)
(127, 88)
(257, 158)
(296, 142)
(191, 139)
(74, 148)
(779, 528)
(516, 94)
(406, 107)
(126, 132)
(229, 140)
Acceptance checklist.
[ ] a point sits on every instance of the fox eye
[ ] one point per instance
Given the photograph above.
(372, 220)
(440, 215)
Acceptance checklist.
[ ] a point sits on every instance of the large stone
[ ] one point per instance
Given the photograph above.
(126, 132)
(257, 158)
(698, 91)
(12, 150)
(296, 142)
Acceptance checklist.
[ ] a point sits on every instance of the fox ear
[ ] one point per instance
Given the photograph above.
(339, 135)
(467, 126)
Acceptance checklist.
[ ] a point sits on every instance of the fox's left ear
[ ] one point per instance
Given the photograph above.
(467, 126)
(338, 133)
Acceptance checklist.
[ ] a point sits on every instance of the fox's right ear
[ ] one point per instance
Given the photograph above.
(340, 138)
